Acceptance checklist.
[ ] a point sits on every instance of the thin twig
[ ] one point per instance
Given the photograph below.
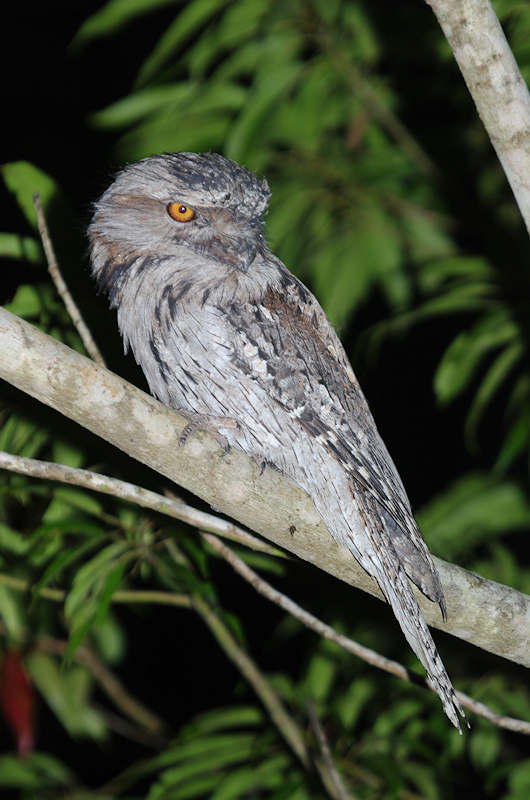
(55, 273)
(338, 789)
(128, 730)
(208, 524)
(305, 617)
(135, 494)
(481, 710)
(126, 596)
(263, 689)
(371, 657)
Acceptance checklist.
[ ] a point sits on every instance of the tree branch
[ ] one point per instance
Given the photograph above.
(495, 84)
(487, 614)
(178, 510)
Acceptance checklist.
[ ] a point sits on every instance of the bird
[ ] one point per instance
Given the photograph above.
(226, 335)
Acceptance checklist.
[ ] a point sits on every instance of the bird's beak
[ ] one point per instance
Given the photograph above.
(235, 251)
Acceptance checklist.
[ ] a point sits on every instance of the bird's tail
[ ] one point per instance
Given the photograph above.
(408, 613)
(389, 572)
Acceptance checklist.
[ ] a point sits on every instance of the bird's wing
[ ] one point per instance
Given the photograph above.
(288, 346)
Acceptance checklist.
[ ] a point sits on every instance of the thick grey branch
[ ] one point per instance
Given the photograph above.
(487, 614)
(495, 84)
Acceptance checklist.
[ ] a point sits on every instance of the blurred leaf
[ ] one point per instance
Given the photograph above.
(320, 676)
(491, 383)
(519, 781)
(249, 780)
(484, 745)
(113, 16)
(67, 498)
(190, 19)
(12, 608)
(110, 639)
(518, 435)
(23, 248)
(134, 107)
(67, 691)
(475, 508)
(65, 558)
(224, 719)
(353, 701)
(26, 303)
(36, 772)
(88, 599)
(463, 357)
(23, 180)
(13, 541)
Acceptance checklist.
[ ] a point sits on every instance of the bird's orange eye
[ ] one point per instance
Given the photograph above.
(180, 212)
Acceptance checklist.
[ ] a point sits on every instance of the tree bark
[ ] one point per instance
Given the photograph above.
(496, 85)
(487, 614)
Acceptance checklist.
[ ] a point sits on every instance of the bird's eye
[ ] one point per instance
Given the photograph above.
(180, 212)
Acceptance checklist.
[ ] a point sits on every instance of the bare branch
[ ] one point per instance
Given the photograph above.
(192, 516)
(495, 84)
(482, 612)
(328, 772)
(171, 507)
(55, 273)
(370, 656)
(263, 689)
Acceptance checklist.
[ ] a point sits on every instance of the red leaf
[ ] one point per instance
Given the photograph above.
(18, 700)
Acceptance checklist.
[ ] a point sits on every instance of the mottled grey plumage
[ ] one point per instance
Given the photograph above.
(221, 328)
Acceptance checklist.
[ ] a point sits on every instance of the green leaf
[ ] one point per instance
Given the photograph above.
(110, 639)
(13, 541)
(354, 700)
(22, 248)
(274, 83)
(192, 17)
(491, 383)
(473, 509)
(136, 106)
(320, 676)
(23, 180)
(64, 559)
(462, 358)
(91, 578)
(517, 437)
(93, 585)
(27, 302)
(12, 612)
(225, 718)
(484, 745)
(519, 781)
(113, 16)
(251, 780)
(67, 498)
(34, 772)
(67, 691)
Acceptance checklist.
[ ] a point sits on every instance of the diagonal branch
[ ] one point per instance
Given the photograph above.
(370, 656)
(485, 613)
(496, 85)
(196, 518)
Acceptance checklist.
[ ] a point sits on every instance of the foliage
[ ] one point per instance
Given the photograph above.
(368, 208)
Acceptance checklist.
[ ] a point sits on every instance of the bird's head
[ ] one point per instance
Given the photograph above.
(162, 205)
